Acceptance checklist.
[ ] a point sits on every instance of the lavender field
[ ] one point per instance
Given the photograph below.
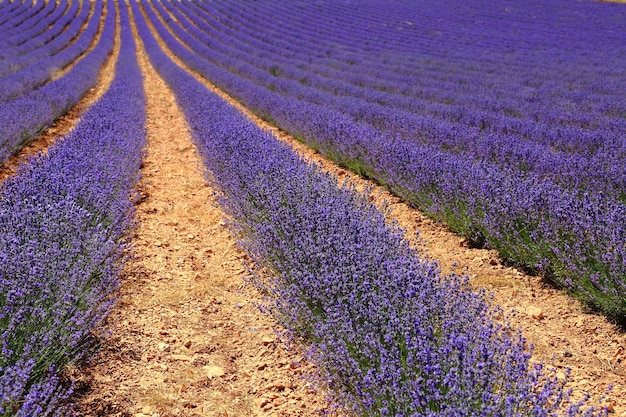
(505, 121)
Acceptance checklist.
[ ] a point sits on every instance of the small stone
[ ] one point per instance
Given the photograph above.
(493, 262)
(190, 236)
(267, 340)
(214, 371)
(568, 353)
(276, 386)
(535, 312)
(187, 344)
(182, 358)
(261, 402)
(163, 347)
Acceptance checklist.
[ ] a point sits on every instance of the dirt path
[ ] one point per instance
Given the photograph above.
(66, 123)
(187, 338)
(558, 326)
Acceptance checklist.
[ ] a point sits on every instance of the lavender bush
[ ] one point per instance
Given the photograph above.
(63, 220)
(478, 147)
(391, 335)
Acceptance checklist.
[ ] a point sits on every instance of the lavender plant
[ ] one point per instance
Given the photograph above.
(63, 222)
(391, 335)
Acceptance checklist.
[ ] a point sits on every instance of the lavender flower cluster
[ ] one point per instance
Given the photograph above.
(63, 222)
(24, 117)
(497, 126)
(391, 335)
(26, 79)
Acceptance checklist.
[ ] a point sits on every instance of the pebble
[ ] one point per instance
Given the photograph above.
(535, 312)
(182, 357)
(214, 371)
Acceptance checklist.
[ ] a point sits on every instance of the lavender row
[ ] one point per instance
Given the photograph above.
(23, 40)
(10, 10)
(50, 42)
(63, 221)
(31, 27)
(478, 135)
(390, 334)
(24, 117)
(29, 8)
(576, 241)
(44, 70)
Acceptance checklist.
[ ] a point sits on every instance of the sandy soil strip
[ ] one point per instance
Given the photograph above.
(187, 338)
(557, 325)
(67, 122)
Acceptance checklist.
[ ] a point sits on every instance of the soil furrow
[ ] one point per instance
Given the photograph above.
(559, 327)
(186, 337)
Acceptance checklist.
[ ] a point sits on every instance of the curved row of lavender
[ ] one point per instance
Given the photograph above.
(50, 42)
(24, 117)
(44, 70)
(63, 222)
(391, 336)
(568, 224)
(11, 9)
(29, 8)
(18, 40)
(34, 25)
